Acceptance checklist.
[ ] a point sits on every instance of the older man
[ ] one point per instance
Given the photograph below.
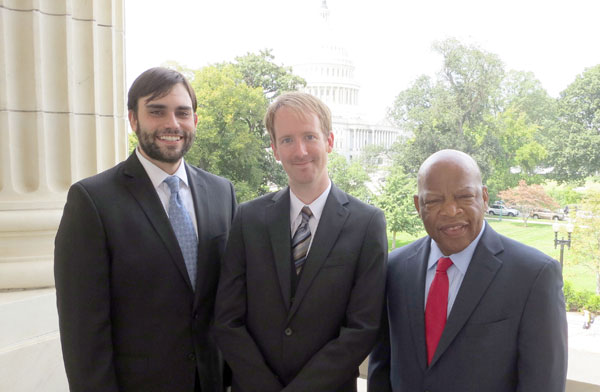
(469, 310)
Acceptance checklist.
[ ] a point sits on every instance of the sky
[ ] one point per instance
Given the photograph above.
(389, 40)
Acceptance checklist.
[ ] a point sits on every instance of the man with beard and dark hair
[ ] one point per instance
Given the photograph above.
(137, 256)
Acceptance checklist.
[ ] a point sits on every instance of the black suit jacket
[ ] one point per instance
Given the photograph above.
(506, 331)
(129, 319)
(316, 341)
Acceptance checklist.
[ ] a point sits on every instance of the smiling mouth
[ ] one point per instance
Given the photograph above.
(453, 230)
(170, 138)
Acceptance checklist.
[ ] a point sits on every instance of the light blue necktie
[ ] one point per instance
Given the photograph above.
(183, 228)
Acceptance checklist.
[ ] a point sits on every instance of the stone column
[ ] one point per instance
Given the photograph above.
(62, 118)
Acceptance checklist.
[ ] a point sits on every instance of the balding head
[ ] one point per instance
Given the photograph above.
(451, 199)
(449, 157)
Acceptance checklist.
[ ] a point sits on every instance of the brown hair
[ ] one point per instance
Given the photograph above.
(157, 82)
(302, 104)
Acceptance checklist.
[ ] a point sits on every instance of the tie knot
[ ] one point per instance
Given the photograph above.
(173, 183)
(306, 211)
(443, 264)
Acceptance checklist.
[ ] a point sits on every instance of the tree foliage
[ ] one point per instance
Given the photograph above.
(586, 236)
(527, 198)
(444, 113)
(260, 70)
(475, 106)
(231, 139)
(349, 177)
(227, 141)
(575, 142)
(396, 201)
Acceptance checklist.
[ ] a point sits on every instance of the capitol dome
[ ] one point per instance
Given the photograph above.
(327, 66)
(325, 63)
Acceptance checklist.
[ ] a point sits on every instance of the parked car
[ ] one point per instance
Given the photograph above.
(545, 213)
(497, 209)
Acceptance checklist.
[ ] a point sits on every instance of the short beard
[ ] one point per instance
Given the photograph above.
(147, 144)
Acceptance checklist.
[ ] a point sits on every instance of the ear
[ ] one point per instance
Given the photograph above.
(416, 201)
(275, 151)
(486, 196)
(132, 120)
(195, 119)
(330, 142)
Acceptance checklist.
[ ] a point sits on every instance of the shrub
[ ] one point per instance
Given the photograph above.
(578, 300)
(593, 303)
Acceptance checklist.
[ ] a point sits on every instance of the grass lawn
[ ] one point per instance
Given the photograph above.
(537, 235)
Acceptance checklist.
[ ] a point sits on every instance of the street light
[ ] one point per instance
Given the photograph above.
(562, 242)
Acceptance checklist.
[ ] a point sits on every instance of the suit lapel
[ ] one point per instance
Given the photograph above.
(415, 294)
(199, 194)
(278, 223)
(140, 186)
(330, 225)
(481, 272)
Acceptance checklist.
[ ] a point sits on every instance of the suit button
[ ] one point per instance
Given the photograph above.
(192, 357)
(288, 332)
(196, 316)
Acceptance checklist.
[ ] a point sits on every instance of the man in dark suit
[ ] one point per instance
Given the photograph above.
(135, 292)
(469, 310)
(302, 283)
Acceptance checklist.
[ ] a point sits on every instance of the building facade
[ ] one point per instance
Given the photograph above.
(329, 71)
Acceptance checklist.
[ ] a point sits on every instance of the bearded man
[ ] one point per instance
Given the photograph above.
(137, 256)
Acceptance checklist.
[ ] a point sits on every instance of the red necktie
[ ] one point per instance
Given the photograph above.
(437, 307)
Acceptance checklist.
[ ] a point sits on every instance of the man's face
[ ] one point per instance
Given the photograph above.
(452, 204)
(165, 126)
(302, 148)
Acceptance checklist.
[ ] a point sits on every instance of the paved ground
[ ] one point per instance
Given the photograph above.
(584, 352)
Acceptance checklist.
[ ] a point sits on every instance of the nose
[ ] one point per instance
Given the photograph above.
(171, 122)
(300, 148)
(451, 208)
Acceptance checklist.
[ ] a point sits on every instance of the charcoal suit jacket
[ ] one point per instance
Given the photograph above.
(316, 340)
(506, 331)
(129, 319)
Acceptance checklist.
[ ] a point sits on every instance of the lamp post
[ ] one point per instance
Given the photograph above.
(562, 242)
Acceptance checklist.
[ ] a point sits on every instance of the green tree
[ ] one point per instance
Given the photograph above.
(349, 177)
(260, 70)
(575, 142)
(564, 194)
(396, 201)
(474, 106)
(522, 92)
(517, 151)
(227, 140)
(132, 141)
(586, 235)
(231, 138)
(448, 112)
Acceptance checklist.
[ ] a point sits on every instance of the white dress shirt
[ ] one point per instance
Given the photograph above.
(158, 175)
(456, 272)
(316, 207)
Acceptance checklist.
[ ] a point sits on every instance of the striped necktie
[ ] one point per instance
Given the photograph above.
(301, 240)
(184, 229)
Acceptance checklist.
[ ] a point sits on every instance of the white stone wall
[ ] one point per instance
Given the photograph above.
(62, 118)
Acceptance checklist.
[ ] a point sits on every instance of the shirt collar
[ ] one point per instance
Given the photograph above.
(461, 259)
(158, 175)
(316, 207)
